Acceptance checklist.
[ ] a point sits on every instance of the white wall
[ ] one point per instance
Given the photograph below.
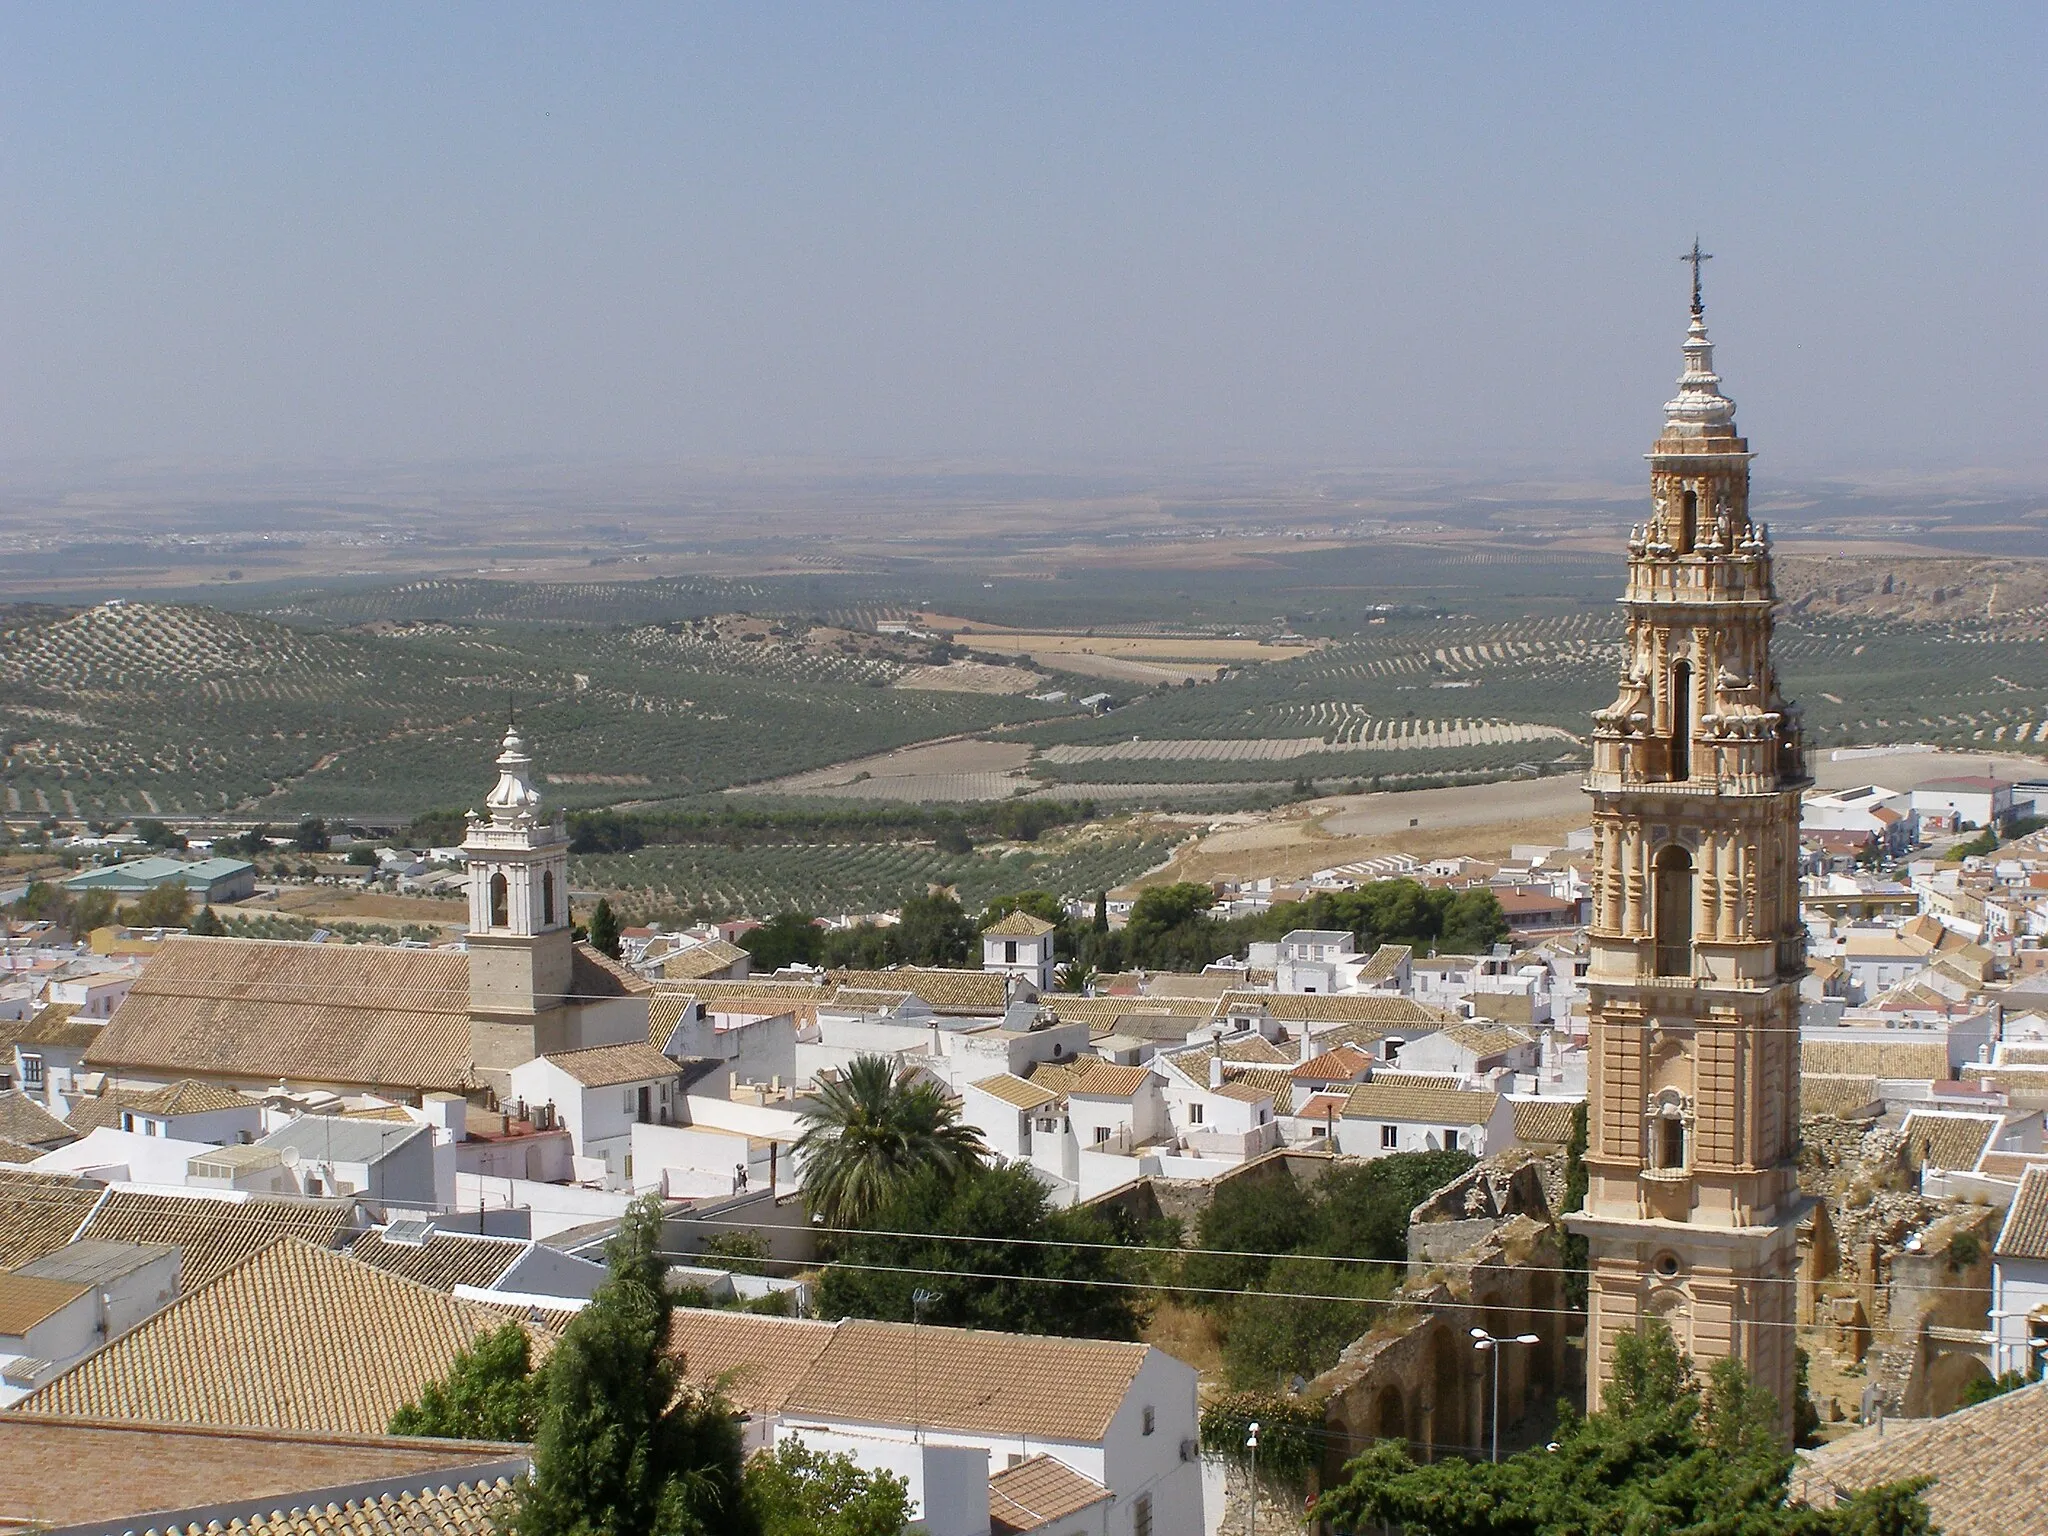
(2018, 1288)
(553, 1207)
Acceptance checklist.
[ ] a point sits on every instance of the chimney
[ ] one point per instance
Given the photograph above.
(447, 1112)
(1308, 1047)
(1216, 1069)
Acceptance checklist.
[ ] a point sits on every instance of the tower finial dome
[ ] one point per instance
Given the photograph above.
(1699, 409)
(514, 793)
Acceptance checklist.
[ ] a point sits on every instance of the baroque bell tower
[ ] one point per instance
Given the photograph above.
(520, 948)
(1697, 946)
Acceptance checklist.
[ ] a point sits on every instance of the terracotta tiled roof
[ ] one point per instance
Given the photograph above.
(1442, 1106)
(1334, 1008)
(465, 1509)
(1118, 1013)
(1834, 1093)
(1335, 1066)
(19, 1151)
(1035, 1493)
(294, 1337)
(1485, 1042)
(445, 1260)
(269, 1009)
(1245, 1093)
(1385, 961)
(102, 1110)
(1275, 1083)
(26, 1300)
(23, 1119)
(1324, 1106)
(983, 990)
(1948, 1141)
(1015, 1090)
(213, 1232)
(971, 1380)
(41, 1212)
(144, 1469)
(1876, 1058)
(2025, 1233)
(1018, 925)
(1091, 1077)
(1395, 1077)
(606, 1066)
(53, 1025)
(701, 961)
(1543, 1122)
(2009, 1165)
(188, 1098)
(760, 1360)
(1988, 1463)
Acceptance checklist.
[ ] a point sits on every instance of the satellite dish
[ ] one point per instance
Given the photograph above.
(289, 1157)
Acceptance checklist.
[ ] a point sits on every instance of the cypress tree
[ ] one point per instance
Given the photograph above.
(625, 1449)
(604, 929)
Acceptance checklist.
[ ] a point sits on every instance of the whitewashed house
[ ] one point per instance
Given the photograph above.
(598, 1095)
(1381, 1118)
(2019, 1281)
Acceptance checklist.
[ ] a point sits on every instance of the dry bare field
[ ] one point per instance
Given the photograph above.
(971, 677)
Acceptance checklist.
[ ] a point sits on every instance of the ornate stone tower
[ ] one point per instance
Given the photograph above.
(1697, 946)
(520, 950)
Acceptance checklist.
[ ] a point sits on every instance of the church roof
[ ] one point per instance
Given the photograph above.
(281, 1010)
(277, 1009)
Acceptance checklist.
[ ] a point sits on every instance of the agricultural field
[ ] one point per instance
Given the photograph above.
(1429, 665)
(833, 878)
(146, 709)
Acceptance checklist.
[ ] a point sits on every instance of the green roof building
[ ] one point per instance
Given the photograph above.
(209, 880)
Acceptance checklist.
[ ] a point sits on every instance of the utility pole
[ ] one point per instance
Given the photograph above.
(1251, 1443)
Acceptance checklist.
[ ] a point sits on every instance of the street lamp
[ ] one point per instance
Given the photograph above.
(1251, 1443)
(1482, 1340)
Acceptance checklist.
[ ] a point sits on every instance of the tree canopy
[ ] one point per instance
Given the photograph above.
(1669, 1453)
(491, 1392)
(796, 1491)
(1016, 1278)
(873, 1129)
(624, 1447)
(604, 929)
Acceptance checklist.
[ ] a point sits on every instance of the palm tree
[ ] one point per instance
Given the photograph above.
(873, 1130)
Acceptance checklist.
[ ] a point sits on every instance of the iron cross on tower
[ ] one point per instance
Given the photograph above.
(1696, 256)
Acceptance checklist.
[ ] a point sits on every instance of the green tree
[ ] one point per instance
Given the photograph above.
(933, 930)
(1362, 1209)
(93, 910)
(1102, 911)
(1247, 1220)
(311, 836)
(43, 901)
(1272, 1334)
(206, 925)
(863, 947)
(795, 1491)
(1042, 905)
(604, 929)
(157, 834)
(436, 829)
(624, 1449)
(491, 1392)
(1014, 1274)
(161, 906)
(787, 938)
(1668, 1453)
(363, 856)
(1472, 922)
(870, 1131)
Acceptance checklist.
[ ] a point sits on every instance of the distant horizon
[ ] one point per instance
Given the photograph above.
(1163, 241)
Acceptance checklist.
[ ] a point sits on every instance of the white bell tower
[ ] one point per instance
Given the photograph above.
(520, 953)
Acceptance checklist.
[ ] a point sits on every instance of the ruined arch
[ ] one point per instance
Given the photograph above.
(1443, 1417)
(1949, 1375)
(1389, 1415)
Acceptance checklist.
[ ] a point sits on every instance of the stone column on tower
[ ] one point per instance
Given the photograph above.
(1693, 1204)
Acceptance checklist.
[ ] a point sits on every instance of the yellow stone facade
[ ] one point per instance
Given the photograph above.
(1697, 945)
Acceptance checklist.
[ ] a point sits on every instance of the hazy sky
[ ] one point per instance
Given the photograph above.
(1353, 235)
